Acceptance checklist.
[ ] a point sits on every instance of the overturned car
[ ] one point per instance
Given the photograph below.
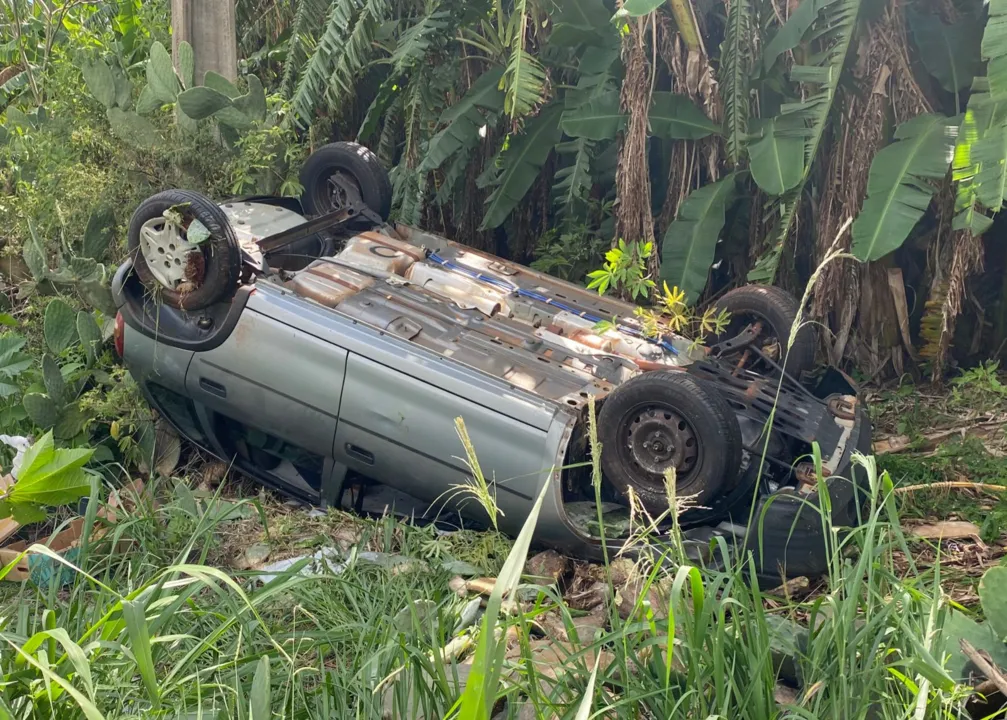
(310, 342)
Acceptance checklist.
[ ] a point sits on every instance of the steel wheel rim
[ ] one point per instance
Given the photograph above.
(654, 438)
(166, 250)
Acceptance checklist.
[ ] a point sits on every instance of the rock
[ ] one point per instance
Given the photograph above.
(346, 536)
(253, 556)
(588, 626)
(419, 613)
(547, 567)
(458, 586)
(460, 567)
(785, 695)
(588, 589)
(553, 659)
(787, 640)
(629, 584)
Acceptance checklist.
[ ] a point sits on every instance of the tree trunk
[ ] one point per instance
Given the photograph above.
(209, 26)
(634, 219)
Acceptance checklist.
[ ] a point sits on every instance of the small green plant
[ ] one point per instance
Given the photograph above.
(673, 315)
(625, 271)
(46, 477)
(979, 388)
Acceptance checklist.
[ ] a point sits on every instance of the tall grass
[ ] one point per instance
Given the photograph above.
(146, 629)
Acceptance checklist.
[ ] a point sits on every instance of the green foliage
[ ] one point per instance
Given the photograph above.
(574, 181)
(776, 160)
(524, 79)
(90, 336)
(133, 128)
(624, 271)
(978, 166)
(902, 184)
(520, 164)
(639, 8)
(98, 234)
(462, 120)
(834, 23)
(201, 102)
(186, 65)
(100, 82)
(690, 244)
(60, 325)
(13, 362)
(951, 53)
(993, 595)
(600, 118)
(676, 117)
(161, 76)
(738, 57)
(47, 477)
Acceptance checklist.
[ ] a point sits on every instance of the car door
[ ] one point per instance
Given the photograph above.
(274, 378)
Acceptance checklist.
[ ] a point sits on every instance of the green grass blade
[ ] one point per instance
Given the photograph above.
(136, 625)
(480, 689)
(260, 700)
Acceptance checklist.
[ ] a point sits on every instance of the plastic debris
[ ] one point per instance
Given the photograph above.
(20, 445)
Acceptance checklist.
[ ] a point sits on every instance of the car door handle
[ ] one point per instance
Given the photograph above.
(214, 388)
(358, 453)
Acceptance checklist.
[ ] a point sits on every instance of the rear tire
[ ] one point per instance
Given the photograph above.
(778, 310)
(343, 172)
(667, 419)
(218, 266)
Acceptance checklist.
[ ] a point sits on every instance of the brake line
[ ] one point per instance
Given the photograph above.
(521, 292)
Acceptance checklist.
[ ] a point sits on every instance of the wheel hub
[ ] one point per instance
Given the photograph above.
(343, 190)
(659, 439)
(166, 251)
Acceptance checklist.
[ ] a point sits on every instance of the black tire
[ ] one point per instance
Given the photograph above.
(776, 308)
(339, 162)
(671, 408)
(221, 259)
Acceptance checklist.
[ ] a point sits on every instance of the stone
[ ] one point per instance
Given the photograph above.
(547, 567)
(253, 556)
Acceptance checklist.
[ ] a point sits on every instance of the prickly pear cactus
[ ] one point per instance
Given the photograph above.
(993, 595)
(161, 76)
(52, 378)
(221, 100)
(41, 410)
(100, 81)
(59, 326)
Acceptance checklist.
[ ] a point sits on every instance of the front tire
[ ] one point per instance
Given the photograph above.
(662, 420)
(341, 173)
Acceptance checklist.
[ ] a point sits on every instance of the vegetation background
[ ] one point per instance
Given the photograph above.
(748, 140)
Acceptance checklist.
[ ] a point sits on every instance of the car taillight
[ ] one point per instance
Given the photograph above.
(119, 333)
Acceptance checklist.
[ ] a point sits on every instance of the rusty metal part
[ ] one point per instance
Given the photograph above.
(330, 221)
(807, 478)
(843, 407)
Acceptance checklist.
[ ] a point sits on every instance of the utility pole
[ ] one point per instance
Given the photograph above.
(209, 26)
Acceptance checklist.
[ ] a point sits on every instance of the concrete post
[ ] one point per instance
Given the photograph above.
(209, 26)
